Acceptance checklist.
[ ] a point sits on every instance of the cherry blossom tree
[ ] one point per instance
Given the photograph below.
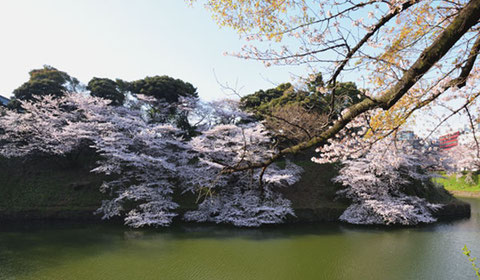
(376, 185)
(142, 159)
(49, 126)
(137, 155)
(376, 174)
(146, 161)
(219, 112)
(466, 155)
(248, 198)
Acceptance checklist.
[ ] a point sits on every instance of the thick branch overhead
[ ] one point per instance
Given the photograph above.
(464, 20)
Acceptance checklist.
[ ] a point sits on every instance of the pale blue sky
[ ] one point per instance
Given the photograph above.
(127, 40)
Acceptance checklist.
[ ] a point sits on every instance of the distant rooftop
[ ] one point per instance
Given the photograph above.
(406, 135)
(4, 101)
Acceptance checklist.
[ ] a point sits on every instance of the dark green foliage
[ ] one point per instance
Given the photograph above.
(263, 103)
(14, 104)
(39, 87)
(108, 89)
(46, 81)
(122, 86)
(181, 121)
(260, 99)
(163, 87)
(294, 116)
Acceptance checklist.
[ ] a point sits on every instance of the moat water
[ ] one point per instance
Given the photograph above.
(321, 251)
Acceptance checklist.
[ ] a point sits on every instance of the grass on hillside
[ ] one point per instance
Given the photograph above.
(59, 186)
(452, 183)
(49, 186)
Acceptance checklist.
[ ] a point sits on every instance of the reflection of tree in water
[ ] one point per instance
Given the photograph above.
(193, 251)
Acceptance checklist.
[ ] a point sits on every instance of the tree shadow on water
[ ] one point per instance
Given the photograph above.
(28, 248)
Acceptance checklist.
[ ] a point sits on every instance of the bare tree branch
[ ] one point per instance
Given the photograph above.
(367, 36)
(454, 112)
(473, 130)
(467, 68)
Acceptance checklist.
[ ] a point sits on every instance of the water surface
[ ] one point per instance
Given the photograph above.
(323, 251)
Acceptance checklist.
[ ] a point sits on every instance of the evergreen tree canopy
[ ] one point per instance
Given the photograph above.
(46, 81)
(163, 87)
(296, 115)
(107, 89)
(312, 98)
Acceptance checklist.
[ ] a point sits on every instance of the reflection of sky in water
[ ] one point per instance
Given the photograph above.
(324, 251)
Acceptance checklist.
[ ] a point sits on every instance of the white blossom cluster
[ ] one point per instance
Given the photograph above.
(135, 153)
(466, 156)
(376, 181)
(226, 111)
(50, 126)
(350, 143)
(142, 157)
(241, 206)
(238, 198)
(375, 173)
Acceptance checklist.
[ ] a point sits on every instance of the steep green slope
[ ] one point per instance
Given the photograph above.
(49, 187)
(64, 188)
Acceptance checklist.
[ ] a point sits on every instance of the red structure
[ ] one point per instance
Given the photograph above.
(449, 141)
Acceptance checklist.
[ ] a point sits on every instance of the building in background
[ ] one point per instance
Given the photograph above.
(410, 137)
(448, 141)
(4, 101)
(406, 135)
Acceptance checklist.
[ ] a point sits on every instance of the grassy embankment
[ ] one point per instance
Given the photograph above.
(49, 187)
(64, 188)
(461, 186)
